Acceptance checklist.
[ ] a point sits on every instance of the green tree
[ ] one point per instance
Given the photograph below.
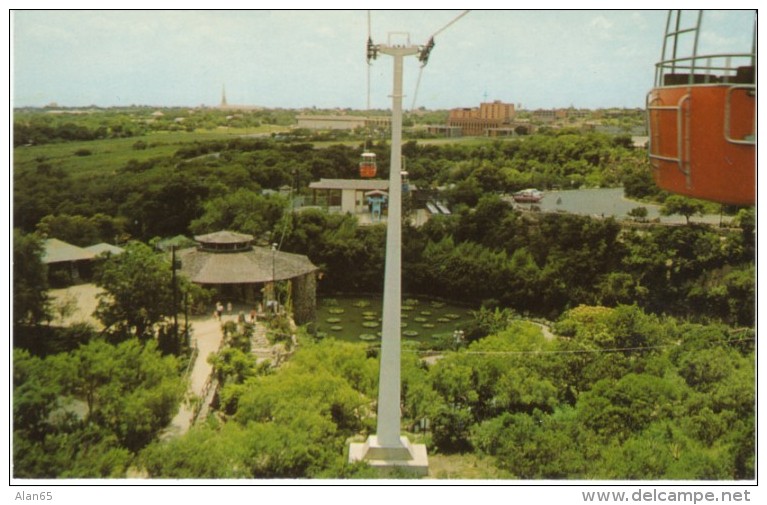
(616, 410)
(129, 389)
(243, 211)
(536, 446)
(85, 413)
(687, 207)
(138, 291)
(31, 304)
(206, 451)
(638, 213)
(80, 230)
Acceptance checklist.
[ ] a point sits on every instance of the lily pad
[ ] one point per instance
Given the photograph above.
(437, 305)
(337, 328)
(410, 333)
(452, 316)
(361, 304)
(370, 324)
(336, 310)
(443, 320)
(420, 319)
(425, 312)
(333, 320)
(427, 325)
(368, 337)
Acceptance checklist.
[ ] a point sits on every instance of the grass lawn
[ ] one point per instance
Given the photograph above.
(463, 466)
(109, 155)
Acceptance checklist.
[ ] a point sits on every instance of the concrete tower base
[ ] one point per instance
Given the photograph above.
(407, 456)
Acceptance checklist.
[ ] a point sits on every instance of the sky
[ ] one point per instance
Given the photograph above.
(301, 58)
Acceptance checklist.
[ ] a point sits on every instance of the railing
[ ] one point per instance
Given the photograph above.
(712, 68)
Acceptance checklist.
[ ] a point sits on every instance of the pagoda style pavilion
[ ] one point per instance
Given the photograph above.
(229, 262)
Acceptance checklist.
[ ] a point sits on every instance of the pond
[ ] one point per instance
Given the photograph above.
(358, 319)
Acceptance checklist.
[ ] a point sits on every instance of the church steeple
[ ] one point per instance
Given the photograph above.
(223, 96)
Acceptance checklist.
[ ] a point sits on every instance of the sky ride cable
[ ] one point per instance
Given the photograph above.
(450, 23)
(426, 52)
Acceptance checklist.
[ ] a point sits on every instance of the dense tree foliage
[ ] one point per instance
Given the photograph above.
(487, 251)
(35, 128)
(139, 292)
(82, 231)
(618, 399)
(30, 280)
(86, 413)
(291, 423)
(163, 194)
(616, 394)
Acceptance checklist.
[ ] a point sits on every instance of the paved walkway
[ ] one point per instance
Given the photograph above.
(207, 337)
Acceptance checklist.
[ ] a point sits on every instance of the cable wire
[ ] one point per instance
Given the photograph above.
(424, 57)
(417, 85)
(450, 23)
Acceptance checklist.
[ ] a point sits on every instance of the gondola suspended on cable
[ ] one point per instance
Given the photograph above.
(368, 167)
(702, 119)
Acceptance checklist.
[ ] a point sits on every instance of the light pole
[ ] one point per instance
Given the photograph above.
(175, 291)
(274, 281)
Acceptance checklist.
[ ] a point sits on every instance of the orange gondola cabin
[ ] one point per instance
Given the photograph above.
(368, 165)
(702, 120)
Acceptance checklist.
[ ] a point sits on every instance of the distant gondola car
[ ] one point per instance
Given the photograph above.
(702, 119)
(368, 165)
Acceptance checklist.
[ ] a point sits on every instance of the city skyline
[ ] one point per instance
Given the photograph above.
(303, 59)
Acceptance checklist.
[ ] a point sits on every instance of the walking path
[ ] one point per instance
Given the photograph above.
(207, 338)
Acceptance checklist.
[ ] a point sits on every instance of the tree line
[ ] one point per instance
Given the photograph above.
(161, 195)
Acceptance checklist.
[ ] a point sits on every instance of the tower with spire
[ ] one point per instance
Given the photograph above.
(223, 97)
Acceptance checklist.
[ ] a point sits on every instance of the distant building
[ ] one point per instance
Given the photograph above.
(544, 115)
(342, 122)
(225, 105)
(357, 196)
(477, 121)
(345, 195)
(444, 130)
(313, 122)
